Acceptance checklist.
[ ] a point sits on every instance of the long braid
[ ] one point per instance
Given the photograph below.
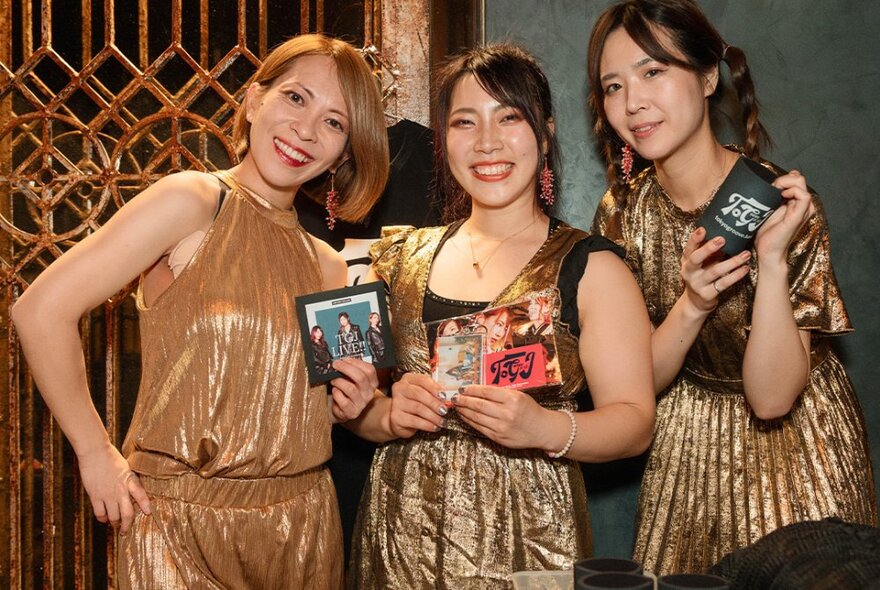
(756, 135)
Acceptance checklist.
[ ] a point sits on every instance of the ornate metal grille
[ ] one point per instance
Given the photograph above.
(97, 100)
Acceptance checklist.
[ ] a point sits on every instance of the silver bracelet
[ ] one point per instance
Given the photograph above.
(570, 441)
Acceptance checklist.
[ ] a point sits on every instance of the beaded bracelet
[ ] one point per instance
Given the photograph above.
(570, 441)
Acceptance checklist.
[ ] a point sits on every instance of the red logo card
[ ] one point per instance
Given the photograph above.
(523, 366)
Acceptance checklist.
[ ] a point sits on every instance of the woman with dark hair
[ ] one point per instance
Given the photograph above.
(462, 495)
(374, 337)
(321, 351)
(221, 480)
(757, 422)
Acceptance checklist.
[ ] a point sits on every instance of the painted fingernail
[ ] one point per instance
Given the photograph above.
(442, 410)
(454, 399)
(441, 395)
(461, 389)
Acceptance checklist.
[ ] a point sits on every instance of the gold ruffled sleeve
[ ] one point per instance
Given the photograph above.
(815, 294)
(609, 222)
(385, 252)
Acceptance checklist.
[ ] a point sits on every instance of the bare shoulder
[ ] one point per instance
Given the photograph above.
(605, 265)
(333, 266)
(607, 284)
(190, 192)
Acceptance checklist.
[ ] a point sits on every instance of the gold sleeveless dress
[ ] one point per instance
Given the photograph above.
(227, 436)
(453, 510)
(717, 477)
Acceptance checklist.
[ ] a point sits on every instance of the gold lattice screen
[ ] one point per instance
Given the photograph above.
(97, 100)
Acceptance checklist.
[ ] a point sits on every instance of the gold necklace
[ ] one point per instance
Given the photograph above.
(480, 264)
(720, 180)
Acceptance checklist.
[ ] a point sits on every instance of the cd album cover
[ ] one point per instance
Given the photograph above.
(347, 322)
(517, 345)
(459, 362)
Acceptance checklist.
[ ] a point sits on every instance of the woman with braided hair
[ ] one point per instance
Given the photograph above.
(757, 422)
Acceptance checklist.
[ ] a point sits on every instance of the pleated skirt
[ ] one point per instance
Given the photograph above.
(718, 478)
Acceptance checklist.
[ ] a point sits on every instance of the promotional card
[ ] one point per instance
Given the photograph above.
(348, 322)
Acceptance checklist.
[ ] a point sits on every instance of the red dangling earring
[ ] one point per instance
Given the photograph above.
(547, 185)
(626, 161)
(331, 203)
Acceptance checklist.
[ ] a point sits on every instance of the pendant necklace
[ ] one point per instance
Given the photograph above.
(479, 264)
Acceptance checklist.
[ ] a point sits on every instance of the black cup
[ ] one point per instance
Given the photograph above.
(691, 582)
(743, 202)
(616, 580)
(604, 565)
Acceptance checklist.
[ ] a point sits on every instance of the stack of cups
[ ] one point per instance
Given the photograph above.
(605, 572)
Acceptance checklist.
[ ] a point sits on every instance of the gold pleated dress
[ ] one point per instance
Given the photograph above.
(718, 478)
(453, 510)
(227, 436)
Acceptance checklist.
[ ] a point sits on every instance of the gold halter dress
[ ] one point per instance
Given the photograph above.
(227, 437)
(453, 510)
(717, 477)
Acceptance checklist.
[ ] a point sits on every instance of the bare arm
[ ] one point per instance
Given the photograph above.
(615, 352)
(46, 319)
(704, 277)
(776, 365)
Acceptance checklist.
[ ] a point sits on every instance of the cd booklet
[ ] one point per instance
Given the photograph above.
(508, 346)
(351, 322)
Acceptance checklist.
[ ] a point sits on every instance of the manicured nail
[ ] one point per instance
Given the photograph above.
(442, 410)
(455, 398)
(461, 389)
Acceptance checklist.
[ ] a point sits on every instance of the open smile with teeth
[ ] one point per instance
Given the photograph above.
(493, 170)
(292, 153)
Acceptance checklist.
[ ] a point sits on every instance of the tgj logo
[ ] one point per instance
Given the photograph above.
(512, 367)
(746, 211)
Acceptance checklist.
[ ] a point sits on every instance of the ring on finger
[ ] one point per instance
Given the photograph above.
(715, 285)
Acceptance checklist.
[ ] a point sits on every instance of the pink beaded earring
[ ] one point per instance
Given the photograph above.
(626, 161)
(547, 185)
(331, 203)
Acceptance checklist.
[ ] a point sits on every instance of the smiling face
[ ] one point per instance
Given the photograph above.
(491, 149)
(299, 127)
(659, 109)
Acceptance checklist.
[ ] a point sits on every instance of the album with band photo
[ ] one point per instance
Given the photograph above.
(349, 322)
(508, 346)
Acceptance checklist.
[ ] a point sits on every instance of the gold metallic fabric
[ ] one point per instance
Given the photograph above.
(717, 477)
(453, 510)
(227, 435)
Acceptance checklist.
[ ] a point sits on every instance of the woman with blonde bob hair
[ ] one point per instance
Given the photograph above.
(220, 482)
(362, 171)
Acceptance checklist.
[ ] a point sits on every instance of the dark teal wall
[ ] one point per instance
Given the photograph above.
(817, 74)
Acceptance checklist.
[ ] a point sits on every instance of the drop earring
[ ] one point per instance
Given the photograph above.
(547, 185)
(331, 203)
(626, 161)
